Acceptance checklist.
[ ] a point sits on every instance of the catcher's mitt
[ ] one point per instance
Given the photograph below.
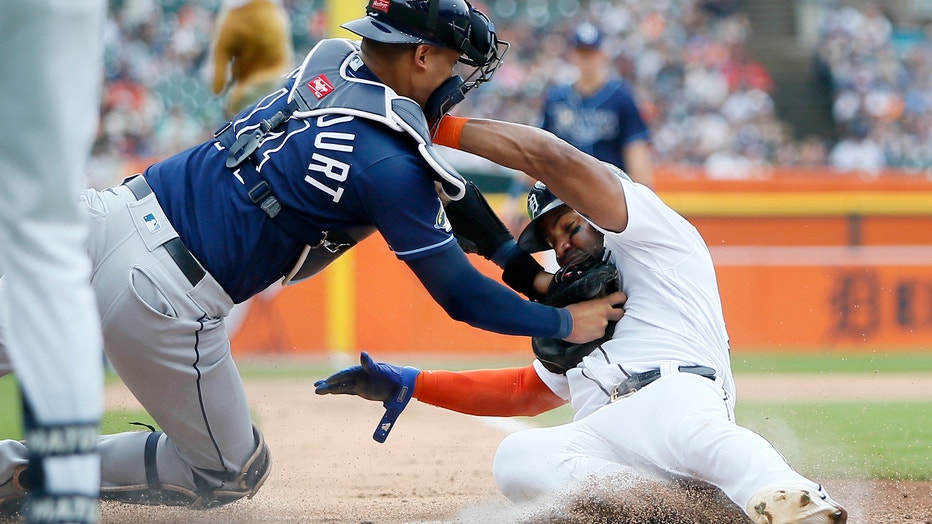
(590, 278)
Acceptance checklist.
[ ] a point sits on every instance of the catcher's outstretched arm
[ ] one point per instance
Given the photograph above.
(467, 295)
(479, 230)
(579, 179)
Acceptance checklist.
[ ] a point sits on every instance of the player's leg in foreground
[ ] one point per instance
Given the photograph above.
(678, 426)
(49, 326)
(164, 334)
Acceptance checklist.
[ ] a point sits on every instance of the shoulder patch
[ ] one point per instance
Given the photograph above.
(441, 222)
(320, 86)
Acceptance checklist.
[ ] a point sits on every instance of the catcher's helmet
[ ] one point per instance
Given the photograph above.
(454, 24)
(540, 201)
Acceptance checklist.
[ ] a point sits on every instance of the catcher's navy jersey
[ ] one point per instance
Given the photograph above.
(600, 124)
(338, 171)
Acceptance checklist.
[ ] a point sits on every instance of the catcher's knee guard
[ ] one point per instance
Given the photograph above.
(234, 486)
(244, 483)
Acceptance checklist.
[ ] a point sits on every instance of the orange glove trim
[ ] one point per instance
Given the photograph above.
(450, 131)
(488, 392)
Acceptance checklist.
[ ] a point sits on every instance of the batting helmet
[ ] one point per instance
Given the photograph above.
(540, 201)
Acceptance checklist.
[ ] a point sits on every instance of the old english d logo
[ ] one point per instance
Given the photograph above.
(320, 86)
(532, 204)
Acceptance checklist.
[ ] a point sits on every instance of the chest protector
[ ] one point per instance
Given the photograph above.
(323, 86)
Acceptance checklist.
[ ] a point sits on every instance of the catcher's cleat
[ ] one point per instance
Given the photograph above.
(795, 506)
(13, 496)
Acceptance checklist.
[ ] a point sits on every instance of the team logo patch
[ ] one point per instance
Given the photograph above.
(442, 223)
(320, 86)
(380, 5)
(532, 204)
(152, 223)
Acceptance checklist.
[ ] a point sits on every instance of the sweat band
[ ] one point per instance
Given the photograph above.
(449, 131)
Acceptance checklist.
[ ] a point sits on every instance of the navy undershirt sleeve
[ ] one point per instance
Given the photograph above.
(505, 252)
(469, 296)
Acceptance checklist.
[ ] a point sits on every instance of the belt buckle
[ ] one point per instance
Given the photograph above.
(617, 394)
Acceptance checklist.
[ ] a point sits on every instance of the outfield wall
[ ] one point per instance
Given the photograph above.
(804, 259)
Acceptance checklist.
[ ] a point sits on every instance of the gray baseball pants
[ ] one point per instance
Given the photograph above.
(164, 334)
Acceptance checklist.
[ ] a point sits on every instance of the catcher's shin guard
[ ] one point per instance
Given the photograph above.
(235, 485)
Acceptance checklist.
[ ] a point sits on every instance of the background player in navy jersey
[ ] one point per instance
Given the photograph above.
(598, 113)
(341, 150)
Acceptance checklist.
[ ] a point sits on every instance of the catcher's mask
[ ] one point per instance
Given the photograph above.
(454, 24)
(541, 201)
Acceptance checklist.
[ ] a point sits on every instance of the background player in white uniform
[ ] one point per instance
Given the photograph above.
(50, 71)
(680, 424)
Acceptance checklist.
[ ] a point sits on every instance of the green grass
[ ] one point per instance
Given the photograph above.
(889, 440)
(11, 411)
(825, 362)
(742, 362)
(321, 367)
(11, 424)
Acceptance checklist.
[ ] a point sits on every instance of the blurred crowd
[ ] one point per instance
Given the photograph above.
(881, 77)
(157, 97)
(707, 101)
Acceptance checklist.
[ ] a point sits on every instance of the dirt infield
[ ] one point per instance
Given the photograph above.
(435, 467)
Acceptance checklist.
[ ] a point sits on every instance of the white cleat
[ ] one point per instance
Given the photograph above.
(795, 506)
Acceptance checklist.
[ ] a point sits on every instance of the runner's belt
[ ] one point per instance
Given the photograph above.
(639, 380)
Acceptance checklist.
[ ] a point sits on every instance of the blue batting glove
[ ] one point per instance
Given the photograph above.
(393, 385)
